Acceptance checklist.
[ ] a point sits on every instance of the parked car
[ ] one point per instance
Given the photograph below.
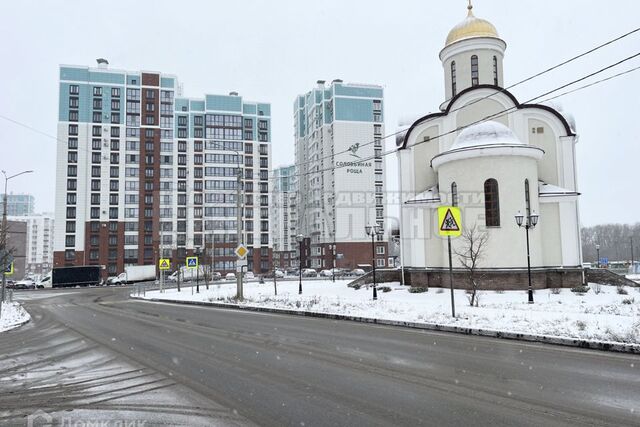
(326, 273)
(216, 276)
(309, 272)
(249, 275)
(279, 274)
(25, 284)
(357, 272)
(230, 276)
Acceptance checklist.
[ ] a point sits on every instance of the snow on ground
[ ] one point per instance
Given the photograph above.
(603, 316)
(13, 315)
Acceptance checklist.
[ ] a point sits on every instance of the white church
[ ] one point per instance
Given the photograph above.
(494, 158)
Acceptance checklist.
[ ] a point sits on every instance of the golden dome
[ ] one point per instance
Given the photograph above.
(471, 27)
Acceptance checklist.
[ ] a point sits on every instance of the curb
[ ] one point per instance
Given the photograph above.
(547, 339)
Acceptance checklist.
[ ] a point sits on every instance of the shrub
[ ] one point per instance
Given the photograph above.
(417, 289)
(499, 291)
(355, 285)
(581, 325)
(440, 291)
(385, 288)
(597, 288)
(628, 301)
(621, 290)
(555, 291)
(580, 289)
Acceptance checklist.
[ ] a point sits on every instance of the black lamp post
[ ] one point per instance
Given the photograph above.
(300, 239)
(598, 255)
(532, 220)
(197, 252)
(373, 231)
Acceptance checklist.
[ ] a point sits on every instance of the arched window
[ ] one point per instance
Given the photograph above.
(454, 194)
(474, 71)
(495, 71)
(453, 78)
(491, 203)
(527, 199)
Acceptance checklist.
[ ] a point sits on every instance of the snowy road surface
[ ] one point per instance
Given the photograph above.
(94, 354)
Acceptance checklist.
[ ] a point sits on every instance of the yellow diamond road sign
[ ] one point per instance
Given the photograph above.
(449, 221)
(165, 264)
(241, 251)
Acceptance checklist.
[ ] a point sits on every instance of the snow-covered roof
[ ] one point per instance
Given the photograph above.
(431, 195)
(485, 133)
(550, 190)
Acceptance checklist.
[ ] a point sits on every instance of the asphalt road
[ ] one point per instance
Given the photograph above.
(233, 368)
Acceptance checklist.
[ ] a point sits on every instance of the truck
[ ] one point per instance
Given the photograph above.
(64, 277)
(134, 273)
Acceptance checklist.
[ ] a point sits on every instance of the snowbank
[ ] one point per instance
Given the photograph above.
(602, 316)
(13, 315)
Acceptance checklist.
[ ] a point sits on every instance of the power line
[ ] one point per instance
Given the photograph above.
(499, 113)
(554, 67)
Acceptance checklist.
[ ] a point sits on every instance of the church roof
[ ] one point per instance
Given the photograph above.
(471, 27)
(487, 133)
(402, 143)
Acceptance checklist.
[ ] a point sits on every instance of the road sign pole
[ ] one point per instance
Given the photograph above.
(453, 305)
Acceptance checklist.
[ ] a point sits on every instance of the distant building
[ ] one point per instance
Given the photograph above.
(18, 204)
(144, 172)
(283, 217)
(341, 182)
(39, 250)
(17, 247)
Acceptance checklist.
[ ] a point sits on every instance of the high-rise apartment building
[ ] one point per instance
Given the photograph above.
(144, 173)
(39, 242)
(283, 217)
(340, 172)
(18, 204)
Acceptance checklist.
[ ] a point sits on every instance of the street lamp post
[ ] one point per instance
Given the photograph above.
(532, 220)
(373, 231)
(3, 248)
(598, 255)
(300, 239)
(197, 252)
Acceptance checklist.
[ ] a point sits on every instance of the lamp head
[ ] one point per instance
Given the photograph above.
(533, 219)
(519, 218)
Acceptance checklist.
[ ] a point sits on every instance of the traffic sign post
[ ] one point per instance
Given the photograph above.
(9, 270)
(192, 262)
(450, 224)
(164, 264)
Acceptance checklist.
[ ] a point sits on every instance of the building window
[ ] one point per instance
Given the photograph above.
(495, 71)
(491, 203)
(97, 91)
(115, 92)
(453, 78)
(454, 194)
(73, 129)
(74, 89)
(474, 70)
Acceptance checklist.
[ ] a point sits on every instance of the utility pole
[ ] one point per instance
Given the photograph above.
(3, 248)
(240, 238)
(633, 269)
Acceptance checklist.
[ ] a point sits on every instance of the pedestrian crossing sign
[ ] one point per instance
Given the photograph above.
(192, 262)
(449, 221)
(9, 270)
(165, 264)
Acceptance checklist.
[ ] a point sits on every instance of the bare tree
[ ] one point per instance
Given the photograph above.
(474, 243)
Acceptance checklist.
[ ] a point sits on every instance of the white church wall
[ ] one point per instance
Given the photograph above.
(507, 245)
(549, 227)
(425, 177)
(476, 110)
(570, 229)
(541, 135)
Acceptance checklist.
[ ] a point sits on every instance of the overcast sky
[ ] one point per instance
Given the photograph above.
(273, 50)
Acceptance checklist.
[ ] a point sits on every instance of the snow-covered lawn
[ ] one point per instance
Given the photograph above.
(606, 316)
(13, 315)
